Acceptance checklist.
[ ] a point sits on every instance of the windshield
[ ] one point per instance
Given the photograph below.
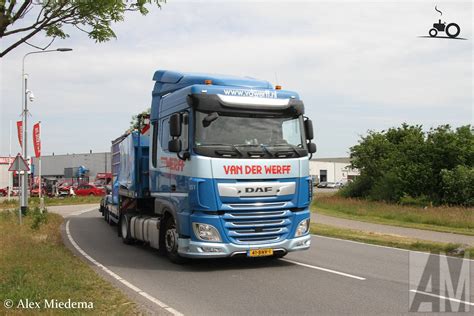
(246, 132)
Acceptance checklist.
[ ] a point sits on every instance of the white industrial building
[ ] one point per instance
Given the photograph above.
(332, 169)
(4, 165)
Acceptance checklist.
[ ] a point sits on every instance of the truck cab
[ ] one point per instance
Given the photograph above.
(228, 170)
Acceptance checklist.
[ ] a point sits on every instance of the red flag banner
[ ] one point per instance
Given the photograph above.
(19, 127)
(37, 139)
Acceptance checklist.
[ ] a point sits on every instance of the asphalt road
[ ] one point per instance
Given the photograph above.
(333, 277)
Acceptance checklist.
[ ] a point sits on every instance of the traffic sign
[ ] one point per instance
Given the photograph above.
(19, 164)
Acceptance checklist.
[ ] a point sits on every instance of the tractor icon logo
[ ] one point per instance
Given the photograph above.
(452, 29)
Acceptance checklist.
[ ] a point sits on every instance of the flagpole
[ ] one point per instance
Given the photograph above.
(10, 174)
(39, 172)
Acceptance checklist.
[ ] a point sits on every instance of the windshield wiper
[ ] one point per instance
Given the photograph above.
(257, 145)
(292, 147)
(220, 144)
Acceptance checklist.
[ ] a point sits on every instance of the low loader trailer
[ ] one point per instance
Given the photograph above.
(220, 170)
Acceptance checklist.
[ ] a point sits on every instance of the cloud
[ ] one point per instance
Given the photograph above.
(357, 66)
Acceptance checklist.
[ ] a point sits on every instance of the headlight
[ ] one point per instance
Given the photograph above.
(302, 228)
(206, 232)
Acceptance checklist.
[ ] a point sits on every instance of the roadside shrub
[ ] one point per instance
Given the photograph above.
(388, 188)
(458, 186)
(38, 218)
(421, 201)
(360, 187)
(408, 161)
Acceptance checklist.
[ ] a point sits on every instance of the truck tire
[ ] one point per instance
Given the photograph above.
(279, 255)
(171, 241)
(125, 229)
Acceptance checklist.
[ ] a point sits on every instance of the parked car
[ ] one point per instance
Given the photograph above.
(340, 184)
(64, 189)
(331, 185)
(34, 191)
(322, 184)
(15, 191)
(89, 189)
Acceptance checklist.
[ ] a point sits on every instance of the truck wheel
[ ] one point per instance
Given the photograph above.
(279, 255)
(171, 242)
(106, 215)
(125, 229)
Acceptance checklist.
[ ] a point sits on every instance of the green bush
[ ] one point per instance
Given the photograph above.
(409, 162)
(360, 187)
(415, 201)
(388, 188)
(38, 217)
(458, 186)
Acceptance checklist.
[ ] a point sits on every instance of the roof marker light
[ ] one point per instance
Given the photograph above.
(277, 87)
(208, 81)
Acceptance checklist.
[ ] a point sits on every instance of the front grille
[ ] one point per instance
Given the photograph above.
(254, 227)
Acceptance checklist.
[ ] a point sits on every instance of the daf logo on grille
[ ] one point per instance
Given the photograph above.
(258, 190)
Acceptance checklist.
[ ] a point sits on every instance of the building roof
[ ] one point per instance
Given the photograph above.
(335, 159)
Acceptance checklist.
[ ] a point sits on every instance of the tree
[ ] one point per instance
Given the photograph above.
(137, 122)
(93, 17)
(406, 161)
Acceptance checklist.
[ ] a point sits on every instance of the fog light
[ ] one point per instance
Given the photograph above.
(206, 232)
(210, 249)
(302, 228)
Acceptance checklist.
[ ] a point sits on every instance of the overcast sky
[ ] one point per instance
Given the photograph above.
(356, 65)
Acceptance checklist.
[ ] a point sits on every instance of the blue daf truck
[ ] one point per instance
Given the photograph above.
(221, 171)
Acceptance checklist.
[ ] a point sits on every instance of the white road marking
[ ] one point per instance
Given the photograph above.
(443, 297)
(119, 278)
(325, 269)
(387, 247)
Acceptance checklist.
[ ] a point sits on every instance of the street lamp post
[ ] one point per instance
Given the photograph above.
(24, 113)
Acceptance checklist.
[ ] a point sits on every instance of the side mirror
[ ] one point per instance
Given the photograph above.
(209, 119)
(175, 125)
(311, 148)
(308, 128)
(174, 145)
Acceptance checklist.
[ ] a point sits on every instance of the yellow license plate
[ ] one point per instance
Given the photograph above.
(260, 252)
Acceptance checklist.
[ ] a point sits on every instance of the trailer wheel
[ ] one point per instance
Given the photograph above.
(125, 229)
(171, 241)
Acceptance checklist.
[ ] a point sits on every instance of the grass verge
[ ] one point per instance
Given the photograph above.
(458, 220)
(391, 240)
(34, 201)
(35, 265)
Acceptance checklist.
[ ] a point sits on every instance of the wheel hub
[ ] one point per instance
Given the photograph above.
(171, 239)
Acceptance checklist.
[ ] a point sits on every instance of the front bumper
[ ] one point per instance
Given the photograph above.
(195, 249)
